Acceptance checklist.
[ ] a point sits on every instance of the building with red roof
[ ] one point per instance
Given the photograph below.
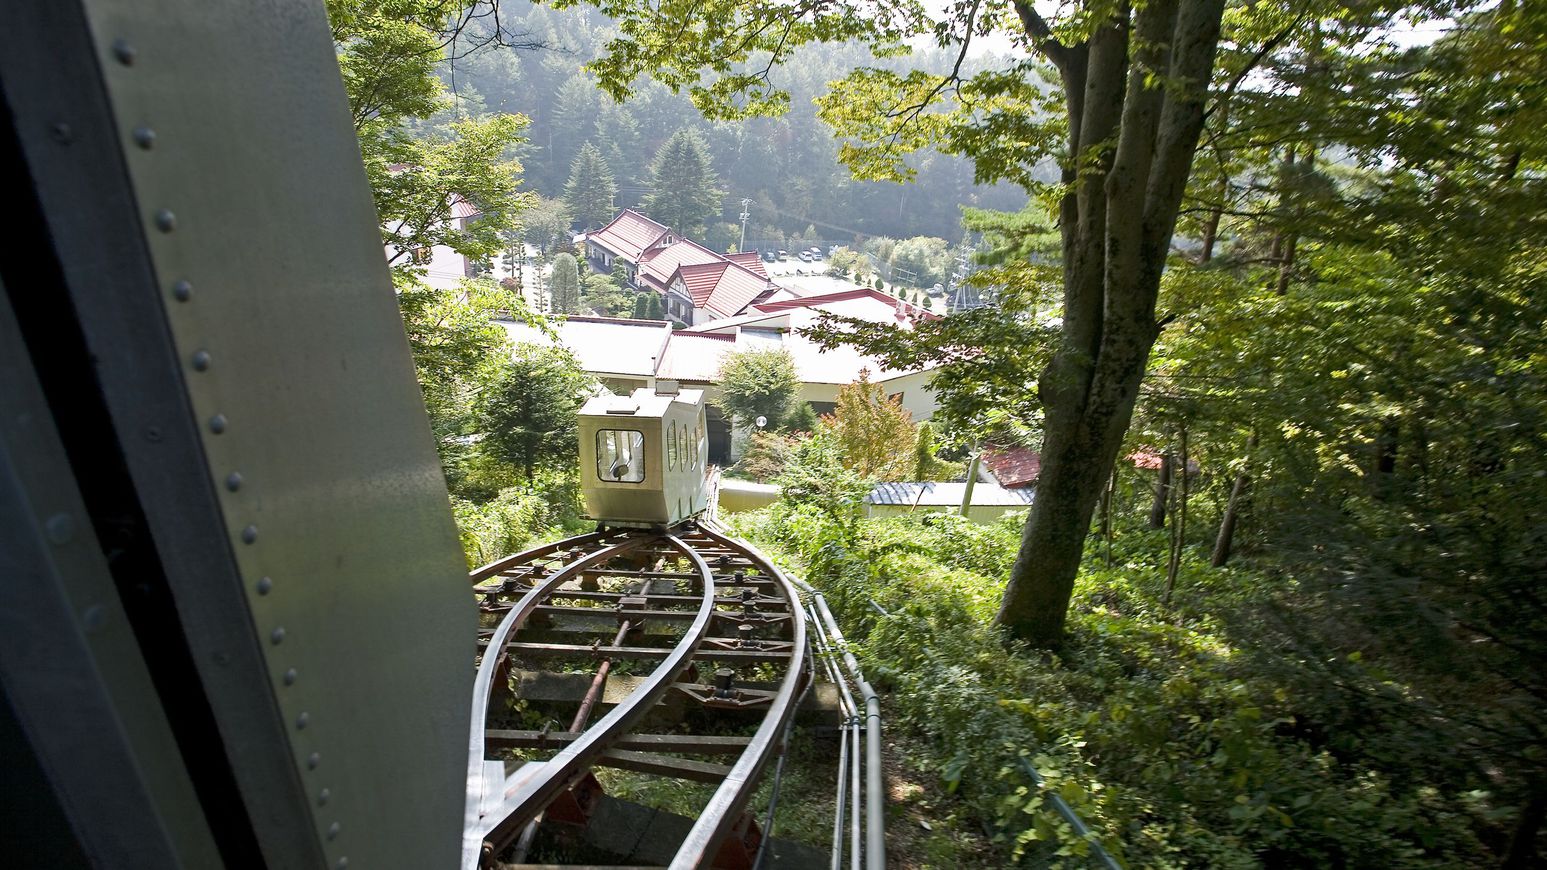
(1012, 467)
(698, 285)
(626, 239)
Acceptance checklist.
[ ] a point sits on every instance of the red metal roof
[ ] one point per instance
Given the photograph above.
(701, 279)
(750, 260)
(658, 264)
(904, 310)
(736, 288)
(1013, 466)
(629, 235)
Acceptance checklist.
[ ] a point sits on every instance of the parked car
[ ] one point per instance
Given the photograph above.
(805, 256)
(936, 290)
(769, 256)
(816, 252)
(784, 255)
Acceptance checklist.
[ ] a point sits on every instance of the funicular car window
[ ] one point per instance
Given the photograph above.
(671, 447)
(620, 455)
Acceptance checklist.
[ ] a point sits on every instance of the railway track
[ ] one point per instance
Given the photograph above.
(687, 619)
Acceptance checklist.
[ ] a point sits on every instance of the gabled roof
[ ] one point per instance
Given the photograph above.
(736, 288)
(863, 297)
(781, 325)
(750, 260)
(657, 265)
(629, 235)
(1013, 467)
(700, 279)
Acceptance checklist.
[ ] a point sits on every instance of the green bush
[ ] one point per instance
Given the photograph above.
(1176, 744)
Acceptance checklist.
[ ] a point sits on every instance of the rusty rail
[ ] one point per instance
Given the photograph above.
(724, 574)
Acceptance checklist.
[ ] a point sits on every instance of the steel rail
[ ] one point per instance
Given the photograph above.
(586, 541)
(730, 799)
(477, 781)
(534, 786)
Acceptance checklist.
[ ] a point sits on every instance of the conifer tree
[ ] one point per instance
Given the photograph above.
(565, 284)
(591, 188)
(686, 195)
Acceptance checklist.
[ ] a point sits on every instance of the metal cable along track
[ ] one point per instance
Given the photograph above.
(685, 618)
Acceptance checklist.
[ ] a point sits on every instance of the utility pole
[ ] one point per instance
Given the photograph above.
(746, 212)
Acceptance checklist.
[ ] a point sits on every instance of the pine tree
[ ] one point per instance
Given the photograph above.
(591, 188)
(686, 195)
(565, 284)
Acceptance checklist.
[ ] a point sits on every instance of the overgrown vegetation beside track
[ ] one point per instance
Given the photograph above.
(1186, 736)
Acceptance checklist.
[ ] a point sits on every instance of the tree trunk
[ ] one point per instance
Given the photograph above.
(1179, 536)
(1521, 851)
(1162, 492)
(1132, 136)
(1226, 538)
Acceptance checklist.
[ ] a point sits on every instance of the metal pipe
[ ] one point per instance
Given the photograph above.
(850, 721)
(875, 820)
(972, 480)
(598, 682)
(874, 806)
(1071, 817)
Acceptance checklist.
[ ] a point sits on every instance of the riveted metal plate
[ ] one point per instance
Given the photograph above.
(70, 671)
(293, 378)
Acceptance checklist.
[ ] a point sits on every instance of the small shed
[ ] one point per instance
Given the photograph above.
(989, 501)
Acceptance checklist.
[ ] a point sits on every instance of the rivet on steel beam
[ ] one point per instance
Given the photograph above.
(249, 534)
(165, 220)
(277, 636)
(313, 760)
(234, 481)
(290, 676)
(333, 830)
(62, 133)
(144, 137)
(94, 618)
(265, 585)
(200, 360)
(302, 721)
(182, 291)
(217, 423)
(153, 434)
(60, 528)
(124, 51)
(343, 862)
(323, 797)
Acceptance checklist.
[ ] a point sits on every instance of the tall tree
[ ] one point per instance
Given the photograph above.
(758, 383)
(564, 285)
(387, 58)
(874, 432)
(546, 224)
(686, 194)
(591, 188)
(531, 421)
